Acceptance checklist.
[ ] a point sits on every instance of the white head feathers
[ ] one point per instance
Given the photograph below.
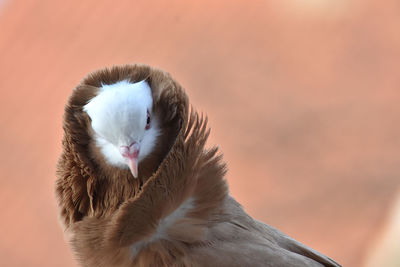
(120, 116)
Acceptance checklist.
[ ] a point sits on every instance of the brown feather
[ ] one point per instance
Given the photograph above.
(114, 220)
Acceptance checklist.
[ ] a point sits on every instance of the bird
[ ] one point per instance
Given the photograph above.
(138, 186)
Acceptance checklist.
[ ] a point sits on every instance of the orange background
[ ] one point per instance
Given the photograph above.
(302, 97)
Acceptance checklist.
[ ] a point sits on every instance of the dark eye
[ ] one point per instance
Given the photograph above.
(148, 121)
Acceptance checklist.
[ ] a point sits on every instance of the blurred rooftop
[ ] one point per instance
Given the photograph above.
(302, 97)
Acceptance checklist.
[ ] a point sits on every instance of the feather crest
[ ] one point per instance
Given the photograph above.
(130, 218)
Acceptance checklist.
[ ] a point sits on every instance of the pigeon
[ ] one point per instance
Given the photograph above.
(137, 185)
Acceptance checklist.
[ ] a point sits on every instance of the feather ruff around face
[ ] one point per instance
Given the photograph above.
(107, 212)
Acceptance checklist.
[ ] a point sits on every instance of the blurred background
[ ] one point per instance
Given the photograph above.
(302, 97)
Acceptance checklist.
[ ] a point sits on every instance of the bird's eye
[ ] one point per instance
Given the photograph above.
(148, 121)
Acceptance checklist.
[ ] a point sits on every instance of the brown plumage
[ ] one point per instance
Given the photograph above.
(178, 212)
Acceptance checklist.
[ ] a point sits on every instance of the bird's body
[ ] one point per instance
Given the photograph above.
(134, 121)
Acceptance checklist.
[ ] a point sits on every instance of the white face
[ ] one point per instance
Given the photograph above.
(120, 114)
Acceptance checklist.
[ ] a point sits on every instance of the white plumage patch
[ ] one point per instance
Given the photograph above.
(164, 224)
(171, 219)
(119, 115)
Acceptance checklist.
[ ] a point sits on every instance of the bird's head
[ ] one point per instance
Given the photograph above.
(125, 127)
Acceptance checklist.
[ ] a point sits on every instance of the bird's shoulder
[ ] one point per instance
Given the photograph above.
(236, 239)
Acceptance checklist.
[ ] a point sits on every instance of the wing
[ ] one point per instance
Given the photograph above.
(294, 246)
(239, 240)
(247, 252)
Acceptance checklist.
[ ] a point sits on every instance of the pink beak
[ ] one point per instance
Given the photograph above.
(131, 154)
